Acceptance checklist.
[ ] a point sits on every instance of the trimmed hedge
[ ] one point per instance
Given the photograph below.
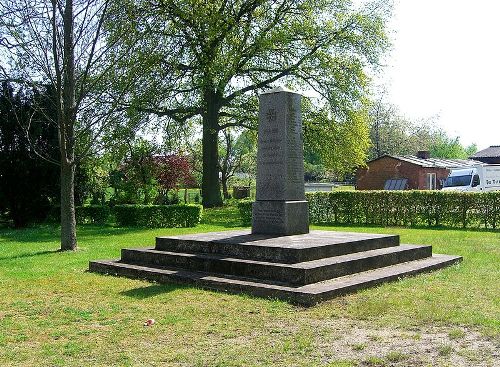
(158, 216)
(245, 208)
(400, 208)
(406, 208)
(97, 214)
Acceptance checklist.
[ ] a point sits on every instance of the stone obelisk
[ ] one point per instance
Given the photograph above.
(280, 207)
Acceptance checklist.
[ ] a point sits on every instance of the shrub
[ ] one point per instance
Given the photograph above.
(245, 208)
(399, 208)
(97, 214)
(157, 216)
(406, 208)
(28, 184)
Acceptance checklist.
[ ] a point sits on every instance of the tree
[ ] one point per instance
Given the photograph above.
(392, 133)
(58, 42)
(28, 183)
(446, 147)
(137, 174)
(209, 59)
(338, 146)
(247, 144)
(92, 179)
(172, 171)
(230, 159)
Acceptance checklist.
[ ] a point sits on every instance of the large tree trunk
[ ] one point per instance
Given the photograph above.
(67, 136)
(210, 181)
(225, 191)
(68, 221)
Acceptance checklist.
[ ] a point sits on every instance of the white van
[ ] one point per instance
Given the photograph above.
(484, 177)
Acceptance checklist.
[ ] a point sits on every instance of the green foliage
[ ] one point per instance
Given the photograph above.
(341, 146)
(245, 209)
(145, 175)
(156, 216)
(92, 179)
(28, 184)
(237, 158)
(97, 214)
(234, 48)
(406, 208)
(91, 214)
(206, 61)
(392, 133)
(446, 147)
(399, 208)
(134, 182)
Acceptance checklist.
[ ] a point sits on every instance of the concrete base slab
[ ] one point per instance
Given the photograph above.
(276, 248)
(294, 274)
(306, 295)
(303, 269)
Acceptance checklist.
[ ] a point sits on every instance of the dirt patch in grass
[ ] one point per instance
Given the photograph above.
(341, 340)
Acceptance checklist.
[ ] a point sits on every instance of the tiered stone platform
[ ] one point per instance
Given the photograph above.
(303, 269)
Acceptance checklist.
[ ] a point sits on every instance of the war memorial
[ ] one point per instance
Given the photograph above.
(279, 257)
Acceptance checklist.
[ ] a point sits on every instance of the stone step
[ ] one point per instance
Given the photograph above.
(306, 295)
(294, 274)
(282, 249)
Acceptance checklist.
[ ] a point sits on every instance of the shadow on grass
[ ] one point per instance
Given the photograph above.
(51, 232)
(227, 217)
(152, 290)
(31, 254)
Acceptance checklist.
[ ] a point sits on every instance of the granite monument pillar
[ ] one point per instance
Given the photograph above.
(280, 207)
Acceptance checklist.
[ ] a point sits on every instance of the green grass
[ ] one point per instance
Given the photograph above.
(359, 346)
(445, 349)
(54, 313)
(344, 188)
(467, 294)
(396, 356)
(456, 334)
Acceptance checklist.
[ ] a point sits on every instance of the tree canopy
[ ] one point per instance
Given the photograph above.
(393, 133)
(28, 183)
(208, 60)
(58, 43)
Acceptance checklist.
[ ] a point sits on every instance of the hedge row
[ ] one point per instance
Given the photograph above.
(245, 208)
(151, 216)
(156, 216)
(406, 208)
(400, 208)
(98, 214)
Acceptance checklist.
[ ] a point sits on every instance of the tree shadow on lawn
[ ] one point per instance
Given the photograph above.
(29, 254)
(51, 232)
(152, 290)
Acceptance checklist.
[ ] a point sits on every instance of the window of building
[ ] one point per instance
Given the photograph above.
(431, 181)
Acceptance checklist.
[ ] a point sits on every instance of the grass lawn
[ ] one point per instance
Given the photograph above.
(54, 313)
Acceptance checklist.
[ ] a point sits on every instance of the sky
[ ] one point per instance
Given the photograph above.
(445, 61)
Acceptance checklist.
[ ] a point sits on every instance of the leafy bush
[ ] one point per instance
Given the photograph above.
(399, 208)
(156, 216)
(28, 184)
(406, 208)
(245, 208)
(97, 214)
